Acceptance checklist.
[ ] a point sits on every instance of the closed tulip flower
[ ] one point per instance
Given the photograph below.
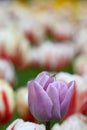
(48, 98)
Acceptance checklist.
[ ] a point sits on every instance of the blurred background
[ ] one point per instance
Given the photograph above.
(37, 35)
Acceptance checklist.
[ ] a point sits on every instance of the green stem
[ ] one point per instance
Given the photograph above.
(48, 125)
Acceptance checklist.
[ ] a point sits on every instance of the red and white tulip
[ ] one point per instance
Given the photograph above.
(74, 122)
(7, 101)
(7, 71)
(19, 124)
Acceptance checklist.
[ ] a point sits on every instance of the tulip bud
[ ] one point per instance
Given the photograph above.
(7, 102)
(47, 55)
(48, 98)
(62, 30)
(14, 46)
(7, 71)
(80, 64)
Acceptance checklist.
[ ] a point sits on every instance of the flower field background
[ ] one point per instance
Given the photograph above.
(42, 37)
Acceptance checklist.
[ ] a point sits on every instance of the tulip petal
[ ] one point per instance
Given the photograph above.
(65, 103)
(44, 79)
(13, 125)
(39, 102)
(53, 93)
(63, 90)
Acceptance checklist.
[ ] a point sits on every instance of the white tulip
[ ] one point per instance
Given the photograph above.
(19, 124)
(75, 122)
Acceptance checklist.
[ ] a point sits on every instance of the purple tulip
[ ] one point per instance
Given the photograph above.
(48, 98)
